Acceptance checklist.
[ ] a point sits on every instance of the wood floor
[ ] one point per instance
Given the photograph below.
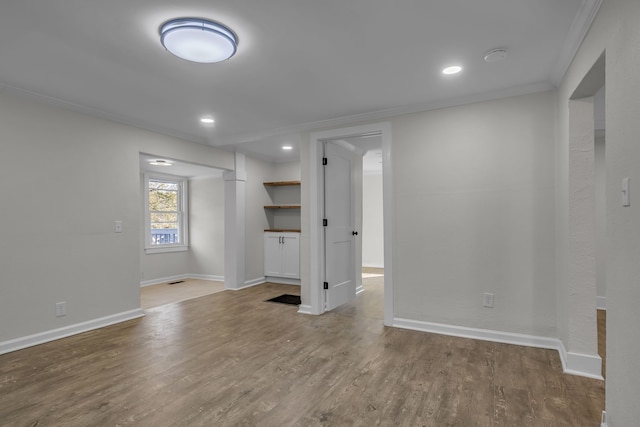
(164, 293)
(231, 359)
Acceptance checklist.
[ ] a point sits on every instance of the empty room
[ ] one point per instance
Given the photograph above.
(319, 213)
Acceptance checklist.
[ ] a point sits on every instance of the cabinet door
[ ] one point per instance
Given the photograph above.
(272, 254)
(291, 256)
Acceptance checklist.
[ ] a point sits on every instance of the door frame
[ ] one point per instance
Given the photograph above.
(316, 209)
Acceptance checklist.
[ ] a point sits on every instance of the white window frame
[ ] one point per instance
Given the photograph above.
(183, 214)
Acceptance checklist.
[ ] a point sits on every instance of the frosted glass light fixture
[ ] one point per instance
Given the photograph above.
(198, 40)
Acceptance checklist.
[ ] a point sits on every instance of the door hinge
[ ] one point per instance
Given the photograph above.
(325, 222)
(326, 285)
(324, 161)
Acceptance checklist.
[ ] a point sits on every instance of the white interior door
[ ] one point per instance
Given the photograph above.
(339, 238)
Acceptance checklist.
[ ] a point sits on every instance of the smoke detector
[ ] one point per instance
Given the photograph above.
(495, 55)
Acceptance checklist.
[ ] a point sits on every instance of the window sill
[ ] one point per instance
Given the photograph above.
(165, 249)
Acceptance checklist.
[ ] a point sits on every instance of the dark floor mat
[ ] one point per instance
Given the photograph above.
(286, 299)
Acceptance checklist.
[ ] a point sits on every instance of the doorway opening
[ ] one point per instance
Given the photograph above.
(587, 219)
(317, 293)
(182, 249)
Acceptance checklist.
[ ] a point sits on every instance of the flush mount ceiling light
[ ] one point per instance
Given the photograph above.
(160, 162)
(207, 120)
(453, 69)
(198, 40)
(287, 147)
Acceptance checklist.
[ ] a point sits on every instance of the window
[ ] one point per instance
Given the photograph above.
(165, 214)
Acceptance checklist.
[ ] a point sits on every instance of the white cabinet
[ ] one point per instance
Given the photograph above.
(282, 255)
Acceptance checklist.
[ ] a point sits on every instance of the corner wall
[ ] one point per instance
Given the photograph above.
(616, 31)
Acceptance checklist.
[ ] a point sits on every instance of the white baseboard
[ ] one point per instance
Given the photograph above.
(247, 284)
(282, 280)
(206, 277)
(254, 282)
(359, 289)
(304, 309)
(180, 277)
(601, 303)
(373, 265)
(572, 363)
(584, 365)
(66, 331)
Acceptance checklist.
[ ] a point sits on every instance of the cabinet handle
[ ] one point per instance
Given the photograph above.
(279, 239)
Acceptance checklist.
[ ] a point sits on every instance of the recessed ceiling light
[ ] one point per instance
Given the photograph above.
(495, 55)
(198, 40)
(160, 162)
(287, 147)
(207, 120)
(453, 69)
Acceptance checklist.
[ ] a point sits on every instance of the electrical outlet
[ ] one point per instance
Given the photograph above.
(488, 300)
(61, 309)
(117, 227)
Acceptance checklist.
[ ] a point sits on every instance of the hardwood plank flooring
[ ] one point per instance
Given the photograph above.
(231, 359)
(164, 293)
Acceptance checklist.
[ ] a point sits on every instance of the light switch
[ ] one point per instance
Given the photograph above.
(118, 227)
(626, 196)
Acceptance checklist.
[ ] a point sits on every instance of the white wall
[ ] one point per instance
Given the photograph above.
(286, 171)
(206, 226)
(600, 191)
(256, 222)
(616, 31)
(474, 209)
(372, 226)
(601, 225)
(65, 178)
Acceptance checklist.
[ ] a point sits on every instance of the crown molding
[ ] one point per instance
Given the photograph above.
(230, 141)
(578, 31)
(97, 113)
(384, 114)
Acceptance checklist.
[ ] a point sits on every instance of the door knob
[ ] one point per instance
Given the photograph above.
(355, 233)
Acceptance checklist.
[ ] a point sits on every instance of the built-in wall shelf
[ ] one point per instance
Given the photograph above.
(281, 183)
(283, 207)
(282, 236)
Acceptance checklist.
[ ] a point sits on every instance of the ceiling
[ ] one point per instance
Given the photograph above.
(300, 65)
(177, 168)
